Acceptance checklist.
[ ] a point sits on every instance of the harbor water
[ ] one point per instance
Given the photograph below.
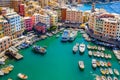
(59, 63)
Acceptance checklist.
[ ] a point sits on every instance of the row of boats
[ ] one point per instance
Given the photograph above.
(96, 48)
(6, 70)
(68, 35)
(77, 46)
(107, 71)
(106, 78)
(97, 63)
(99, 54)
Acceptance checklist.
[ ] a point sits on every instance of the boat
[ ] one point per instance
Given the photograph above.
(107, 71)
(109, 56)
(98, 54)
(39, 49)
(102, 63)
(98, 63)
(102, 55)
(94, 64)
(115, 78)
(82, 48)
(116, 72)
(109, 78)
(102, 71)
(73, 35)
(90, 53)
(110, 71)
(103, 78)
(106, 56)
(57, 36)
(22, 76)
(88, 46)
(65, 35)
(81, 64)
(94, 54)
(77, 44)
(98, 78)
(1, 73)
(109, 64)
(105, 64)
(75, 48)
(103, 49)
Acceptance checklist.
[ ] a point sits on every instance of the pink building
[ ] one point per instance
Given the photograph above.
(28, 23)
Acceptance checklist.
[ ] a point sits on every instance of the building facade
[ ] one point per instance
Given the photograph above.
(28, 23)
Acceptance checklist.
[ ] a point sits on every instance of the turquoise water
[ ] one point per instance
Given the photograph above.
(58, 64)
(113, 7)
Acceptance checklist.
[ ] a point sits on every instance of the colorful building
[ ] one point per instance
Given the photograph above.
(5, 43)
(74, 16)
(37, 18)
(63, 14)
(22, 10)
(28, 23)
(1, 27)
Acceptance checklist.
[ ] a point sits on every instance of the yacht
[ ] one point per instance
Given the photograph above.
(82, 47)
(65, 35)
(22, 76)
(81, 64)
(73, 35)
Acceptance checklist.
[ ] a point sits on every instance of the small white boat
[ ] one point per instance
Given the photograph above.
(90, 53)
(22, 76)
(75, 48)
(109, 78)
(82, 47)
(98, 78)
(109, 56)
(116, 72)
(103, 78)
(57, 36)
(98, 54)
(115, 78)
(102, 63)
(81, 64)
(110, 71)
(72, 35)
(102, 55)
(1, 73)
(94, 65)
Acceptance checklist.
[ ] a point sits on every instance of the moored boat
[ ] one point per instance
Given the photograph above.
(109, 64)
(90, 53)
(109, 78)
(103, 78)
(72, 35)
(115, 78)
(94, 65)
(22, 76)
(75, 48)
(98, 78)
(81, 64)
(102, 71)
(1, 73)
(82, 47)
(116, 72)
(102, 63)
(110, 71)
(65, 35)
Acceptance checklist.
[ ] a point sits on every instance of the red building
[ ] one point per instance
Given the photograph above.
(63, 14)
(40, 27)
(22, 9)
(28, 23)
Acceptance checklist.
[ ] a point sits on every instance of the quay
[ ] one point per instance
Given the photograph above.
(14, 53)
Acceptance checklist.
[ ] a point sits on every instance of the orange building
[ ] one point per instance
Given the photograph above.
(63, 14)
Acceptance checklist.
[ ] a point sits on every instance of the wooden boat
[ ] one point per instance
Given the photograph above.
(22, 76)
(109, 78)
(103, 78)
(107, 71)
(81, 64)
(116, 72)
(110, 71)
(105, 64)
(115, 78)
(82, 48)
(94, 65)
(102, 71)
(98, 63)
(90, 53)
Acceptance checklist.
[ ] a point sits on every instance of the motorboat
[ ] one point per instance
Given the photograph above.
(65, 35)
(1, 73)
(109, 78)
(109, 64)
(39, 49)
(75, 48)
(81, 64)
(116, 72)
(73, 35)
(115, 78)
(90, 53)
(110, 71)
(22, 76)
(102, 63)
(98, 63)
(102, 71)
(103, 78)
(98, 78)
(94, 65)
(82, 47)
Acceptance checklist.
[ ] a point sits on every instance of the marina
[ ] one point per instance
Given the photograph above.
(58, 63)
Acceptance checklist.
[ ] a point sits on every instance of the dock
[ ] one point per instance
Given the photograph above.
(15, 53)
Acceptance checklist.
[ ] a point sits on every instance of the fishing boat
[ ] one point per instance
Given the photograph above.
(102, 71)
(65, 35)
(22, 76)
(109, 78)
(115, 78)
(110, 71)
(90, 53)
(39, 49)
(82, 47)
(81, 64)
(73, 35)
(116, 72)
(94, 64)
(75, 48)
